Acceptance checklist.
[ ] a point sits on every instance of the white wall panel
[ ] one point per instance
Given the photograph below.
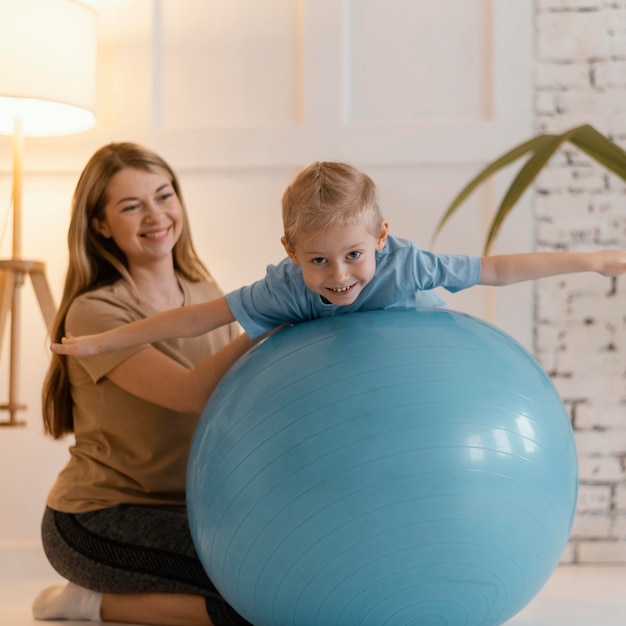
(417, 61)
(229, 64)
(125, 96)
(239, 83)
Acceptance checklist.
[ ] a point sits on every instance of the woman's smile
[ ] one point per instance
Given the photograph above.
(156, 234)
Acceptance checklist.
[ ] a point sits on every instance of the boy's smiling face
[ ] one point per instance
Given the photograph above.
(339, 261)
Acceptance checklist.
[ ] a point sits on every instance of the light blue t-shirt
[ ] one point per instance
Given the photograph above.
(404, 276)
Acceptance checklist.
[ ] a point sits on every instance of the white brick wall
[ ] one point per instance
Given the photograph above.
(580, 323)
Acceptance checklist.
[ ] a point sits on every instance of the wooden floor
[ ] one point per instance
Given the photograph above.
(574, 596)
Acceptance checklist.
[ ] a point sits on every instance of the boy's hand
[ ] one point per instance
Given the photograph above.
(610, 262)
(86, 345)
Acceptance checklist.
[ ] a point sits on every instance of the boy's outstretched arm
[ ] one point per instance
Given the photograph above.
(505, 269)
(186, 321)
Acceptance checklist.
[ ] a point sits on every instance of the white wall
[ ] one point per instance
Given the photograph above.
(238, 95)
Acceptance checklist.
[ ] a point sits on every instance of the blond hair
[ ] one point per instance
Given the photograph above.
(95, 261)
(327, 194)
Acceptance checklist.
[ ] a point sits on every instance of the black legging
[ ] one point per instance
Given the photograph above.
(132, 549)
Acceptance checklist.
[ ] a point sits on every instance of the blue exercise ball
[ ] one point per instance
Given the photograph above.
(382, 468)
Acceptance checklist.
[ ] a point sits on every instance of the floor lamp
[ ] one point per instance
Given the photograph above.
(47, 87)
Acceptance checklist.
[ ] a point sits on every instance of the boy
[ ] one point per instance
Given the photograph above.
(341, 259)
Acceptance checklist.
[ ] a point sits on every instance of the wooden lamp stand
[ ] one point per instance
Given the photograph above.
(12, 277)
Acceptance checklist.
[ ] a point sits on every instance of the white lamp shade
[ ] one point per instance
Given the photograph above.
(47, 66)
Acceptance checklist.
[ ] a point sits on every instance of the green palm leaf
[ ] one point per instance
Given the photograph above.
(492, 168)
(542, 147)
(602, 149)
(545, 149)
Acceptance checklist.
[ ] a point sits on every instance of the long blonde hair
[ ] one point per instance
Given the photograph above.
(95, 261)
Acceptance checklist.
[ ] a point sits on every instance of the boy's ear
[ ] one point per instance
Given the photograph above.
(382, 236)
(101, 227)
(289, 250)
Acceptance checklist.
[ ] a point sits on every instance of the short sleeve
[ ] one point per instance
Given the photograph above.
(454, 272)
(91, 314)
(281, 297)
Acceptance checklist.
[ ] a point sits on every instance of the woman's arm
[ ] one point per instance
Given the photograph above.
(186, 321)
(513, 268)
(153, 376)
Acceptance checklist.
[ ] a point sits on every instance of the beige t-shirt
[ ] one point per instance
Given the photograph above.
(127, 450)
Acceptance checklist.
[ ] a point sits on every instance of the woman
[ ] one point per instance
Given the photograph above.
(115, 523)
